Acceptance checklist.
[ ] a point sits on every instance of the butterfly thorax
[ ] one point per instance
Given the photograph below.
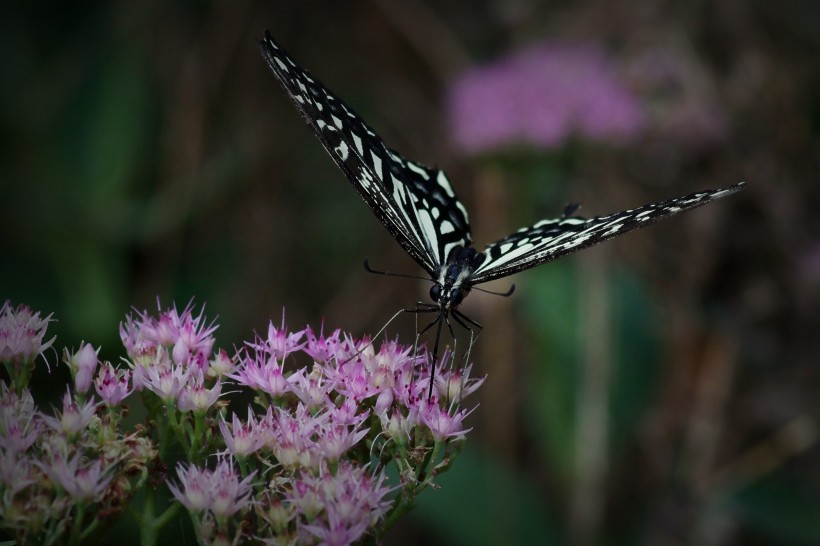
(453, 282)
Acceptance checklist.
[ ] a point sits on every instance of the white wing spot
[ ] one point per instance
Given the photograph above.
(445, 184)
(377, 164)
(358, 142)
(343, 150)
(446, 225)
(336, 121)
(417, 169)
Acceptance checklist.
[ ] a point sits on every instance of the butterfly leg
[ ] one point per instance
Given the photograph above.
(462, 320)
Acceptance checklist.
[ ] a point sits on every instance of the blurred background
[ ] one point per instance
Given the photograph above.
(659, 389)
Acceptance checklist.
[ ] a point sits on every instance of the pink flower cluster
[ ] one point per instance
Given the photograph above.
(170, 356)
(347, 384)
(317, 416)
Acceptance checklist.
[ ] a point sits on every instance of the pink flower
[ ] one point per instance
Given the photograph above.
(19, 427)
(241, 439)
(336, 439)
(195, 397)
(230, 495)
(354, 380)
(220, 490)
(112, 384)
(340, 506)
(73, 419)
(312, 388)
(441, 423)
(82, 364)
(21, 333)
(194, 491)
(291, 436)
(86, 483)
(322, 348)
(279, 342)
(455, 385)
(260, 370)
(221, 364)
(165, 382)
(187, 338)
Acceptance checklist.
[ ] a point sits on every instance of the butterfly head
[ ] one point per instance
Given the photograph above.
(453, 283)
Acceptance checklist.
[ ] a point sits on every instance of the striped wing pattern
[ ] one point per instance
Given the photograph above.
(415, 203)
(551, 239)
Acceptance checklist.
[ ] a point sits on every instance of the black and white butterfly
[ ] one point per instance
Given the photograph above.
(418, 206)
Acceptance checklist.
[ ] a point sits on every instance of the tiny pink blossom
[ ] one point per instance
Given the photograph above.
(220, 490)
(259, 370)
(86, 483)
(441, 423)
(21, 333)
(73, 419)
(241, 439)
(455, 385)
(230, 495)
(19, 426)
(196, 397)
(321, 348)
(221, 364)
(335, 440)
(396, 426)
(194, 488)
(312, 388)
(347, 413)
(82, 364)
(112, 384)
(165, 382)
(186, 338)
(15, 471)
(280, 343)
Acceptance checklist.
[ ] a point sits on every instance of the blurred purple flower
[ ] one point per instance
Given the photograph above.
(543, 95)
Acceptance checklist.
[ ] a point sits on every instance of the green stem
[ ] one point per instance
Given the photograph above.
(431, 457)
(77, 526)
(148, 531)
(196, 440)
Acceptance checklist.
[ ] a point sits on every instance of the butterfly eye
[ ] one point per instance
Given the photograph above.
(435, 292)
(456, 295)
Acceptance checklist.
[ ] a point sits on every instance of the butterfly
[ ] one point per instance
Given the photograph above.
(419, 208)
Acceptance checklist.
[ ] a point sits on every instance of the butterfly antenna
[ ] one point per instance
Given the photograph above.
(506, 294)
(389, 274)
(373, 340)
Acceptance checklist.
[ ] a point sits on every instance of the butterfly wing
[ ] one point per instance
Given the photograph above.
(415, 203)
(551, 239)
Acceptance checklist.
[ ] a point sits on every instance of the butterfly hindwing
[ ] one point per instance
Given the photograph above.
(415, 203)
(551, 239)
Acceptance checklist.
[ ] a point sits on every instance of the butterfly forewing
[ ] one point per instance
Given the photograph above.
(415, 203)
(551, 239)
